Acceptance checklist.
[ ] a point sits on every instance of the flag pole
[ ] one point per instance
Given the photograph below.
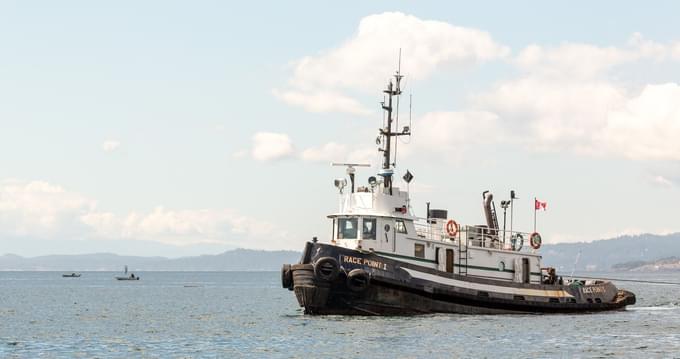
(535, 213)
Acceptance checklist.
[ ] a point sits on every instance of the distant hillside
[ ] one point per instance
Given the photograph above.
(663, 264)
(601, 255)
(234, 260)
(605, 254)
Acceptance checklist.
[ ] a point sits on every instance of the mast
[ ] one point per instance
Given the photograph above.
(393, 89)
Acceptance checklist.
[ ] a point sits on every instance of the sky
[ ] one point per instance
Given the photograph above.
(181, 128)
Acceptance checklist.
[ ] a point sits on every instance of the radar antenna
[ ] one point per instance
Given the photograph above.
(393, 89)
(351, 170)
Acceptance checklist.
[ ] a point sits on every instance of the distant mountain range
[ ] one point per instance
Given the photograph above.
(663, 264)
(622, 253)
(234, 260)
(603, 255)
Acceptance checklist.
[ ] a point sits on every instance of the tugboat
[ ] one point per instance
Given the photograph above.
(384, 260)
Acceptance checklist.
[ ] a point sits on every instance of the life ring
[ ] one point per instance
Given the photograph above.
(358, 280)
(535, 240)
(517, 242)
(326, 268)
(451, 228)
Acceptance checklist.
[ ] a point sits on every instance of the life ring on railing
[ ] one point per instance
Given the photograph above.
(535, 240)
(451, 228)
(517, 242)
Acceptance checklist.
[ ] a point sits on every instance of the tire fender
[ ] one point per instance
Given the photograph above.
(358, 280)
(286, 277)
(326, 268)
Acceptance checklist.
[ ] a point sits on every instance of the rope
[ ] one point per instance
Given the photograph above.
(633, 280)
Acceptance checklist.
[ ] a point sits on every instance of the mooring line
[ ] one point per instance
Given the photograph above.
(632, 280)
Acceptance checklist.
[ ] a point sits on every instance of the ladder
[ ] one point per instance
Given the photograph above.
(494, 217)
(462, 257)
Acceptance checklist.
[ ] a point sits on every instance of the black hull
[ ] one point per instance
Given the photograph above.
(366, 284)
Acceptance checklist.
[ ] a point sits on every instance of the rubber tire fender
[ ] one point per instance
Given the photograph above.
(286, 277)
(326, 268)
(358, 280)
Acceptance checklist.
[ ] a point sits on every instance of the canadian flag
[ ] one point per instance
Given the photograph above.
(540, 205)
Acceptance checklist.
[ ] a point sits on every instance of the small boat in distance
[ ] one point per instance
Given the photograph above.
(71, 275)
(128, 277)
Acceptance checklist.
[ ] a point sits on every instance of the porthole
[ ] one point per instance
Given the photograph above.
(501, 266)
(387, 228)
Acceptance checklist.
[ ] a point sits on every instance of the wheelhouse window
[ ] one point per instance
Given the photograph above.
(368, 228)
(419, 250)
(347, 228)
(400, 226)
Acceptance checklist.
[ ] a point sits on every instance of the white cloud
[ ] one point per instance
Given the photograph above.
(269, 146)
(44, 211)
(322, 102)
(661, 181)
(329, 152)
(179, 227)
(572, 60)
(579, 60)
(549, 114)
(565, 100)
(38, 208)
(335, 152)
(110, 145)
(449, 133)
(359, 64)
(648, 126)
(590, 117)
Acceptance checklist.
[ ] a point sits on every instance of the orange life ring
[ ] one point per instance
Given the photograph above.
(535, 240)
(451, 228)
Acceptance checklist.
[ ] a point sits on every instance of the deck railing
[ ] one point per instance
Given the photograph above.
(475, 236)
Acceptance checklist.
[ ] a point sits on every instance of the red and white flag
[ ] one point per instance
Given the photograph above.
(540, 205)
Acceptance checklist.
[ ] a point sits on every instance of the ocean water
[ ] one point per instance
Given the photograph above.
(248, 314)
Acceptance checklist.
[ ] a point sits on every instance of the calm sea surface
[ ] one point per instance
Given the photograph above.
(248, 314)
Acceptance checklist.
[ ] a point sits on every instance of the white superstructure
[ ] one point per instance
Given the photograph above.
(377, 217)
(372, 219)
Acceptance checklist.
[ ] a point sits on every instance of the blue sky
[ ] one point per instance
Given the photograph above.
(173, 128)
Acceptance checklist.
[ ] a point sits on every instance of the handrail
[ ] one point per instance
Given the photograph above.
(474, 236)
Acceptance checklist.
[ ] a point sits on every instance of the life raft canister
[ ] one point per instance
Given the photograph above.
(535, 240)
(451, 228)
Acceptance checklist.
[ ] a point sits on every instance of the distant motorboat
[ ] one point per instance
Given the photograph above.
(127, 277)
(71, 275)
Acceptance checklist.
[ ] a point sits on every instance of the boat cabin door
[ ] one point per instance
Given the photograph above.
(449, 260)
(522, 270)
(389, 235)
